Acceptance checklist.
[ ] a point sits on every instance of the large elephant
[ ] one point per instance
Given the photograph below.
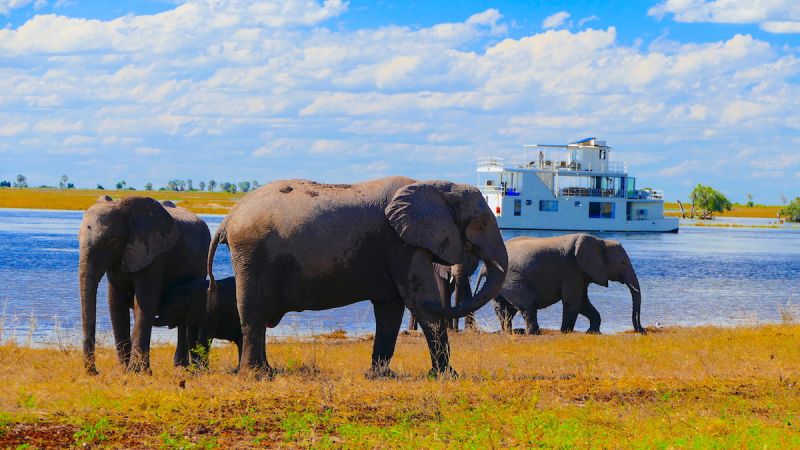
(143, 247)
(206, 318)
(453, 280)
(299, 245)
(542, 271)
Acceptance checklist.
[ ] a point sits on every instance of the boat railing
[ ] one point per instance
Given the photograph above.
(590, 192)
(646, 194)
(490, 163)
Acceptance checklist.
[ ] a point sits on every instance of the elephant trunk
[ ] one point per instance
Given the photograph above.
(495, 275)
(636, 296)
(89, 280)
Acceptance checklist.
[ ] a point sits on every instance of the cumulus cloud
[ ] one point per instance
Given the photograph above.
(774, 16)
(274, 89)
(555, 20)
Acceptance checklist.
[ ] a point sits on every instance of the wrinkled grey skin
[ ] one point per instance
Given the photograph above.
(299, 245)
(143, 247)
(450, 280)
(542, 271)
(188, 305)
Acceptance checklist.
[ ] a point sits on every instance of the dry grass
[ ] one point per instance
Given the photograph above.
(757, 211)
(80, 199)
(675, 388)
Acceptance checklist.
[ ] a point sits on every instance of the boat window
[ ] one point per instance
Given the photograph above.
(601, 210)
(548, 205)
(578, 203)
(528, 202)
(517, 207)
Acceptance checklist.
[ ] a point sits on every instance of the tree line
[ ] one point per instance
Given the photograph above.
(21, 181)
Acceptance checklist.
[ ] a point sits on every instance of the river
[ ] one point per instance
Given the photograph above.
(699, 276)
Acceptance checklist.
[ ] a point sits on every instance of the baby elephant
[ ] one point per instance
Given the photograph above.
(542, 271)
(206, 318)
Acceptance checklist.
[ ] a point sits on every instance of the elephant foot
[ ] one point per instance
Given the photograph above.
(382, 371)
(534, 331)
(92, 371)
(448, 373)
(265, 373)
(591, 331)
(566, 330)
(140, 369)
(233, 371)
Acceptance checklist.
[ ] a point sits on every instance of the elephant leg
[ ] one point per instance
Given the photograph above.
(119, 304)
(531, 321)
(412, 323)
(252, 312)
(145, 306)
(181, 358)
(438, 345)
(445, 292)
(388, 318)
(573, 303)
(590, 312)
(469, 322)
(505, 313)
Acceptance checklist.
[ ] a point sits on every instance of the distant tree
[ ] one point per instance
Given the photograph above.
(708, 201)
(120, 185)
(70, 186)
(244, 186)
(791, 211)
(228, 187)
(181, 185)
(256, 185)
(22, 181)
(64, 182)
(202, 185)
(100, 187)
(749, 200)
(189, 184)
(172, 185)
(5, 184)
(148, 186)
(211, 185)
(783, 199)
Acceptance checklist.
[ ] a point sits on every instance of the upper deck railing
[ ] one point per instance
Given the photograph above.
(495, 164)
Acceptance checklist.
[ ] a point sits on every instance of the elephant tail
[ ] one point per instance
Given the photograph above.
(220, 237)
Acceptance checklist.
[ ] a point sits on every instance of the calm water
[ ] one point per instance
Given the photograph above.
(702, 275)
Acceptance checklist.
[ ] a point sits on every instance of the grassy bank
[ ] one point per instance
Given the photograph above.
(696, 388)
(80, 199)
(758, 211)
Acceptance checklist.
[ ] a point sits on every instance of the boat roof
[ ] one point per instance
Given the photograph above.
(585, 142)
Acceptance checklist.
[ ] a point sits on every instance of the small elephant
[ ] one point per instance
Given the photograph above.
(143, 247)
(542, 271)
(206, 317)
(299, 245)
(450, 280)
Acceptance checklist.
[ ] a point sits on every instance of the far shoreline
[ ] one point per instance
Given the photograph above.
(220, 203)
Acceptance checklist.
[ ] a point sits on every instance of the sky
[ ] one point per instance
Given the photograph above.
(685, 91)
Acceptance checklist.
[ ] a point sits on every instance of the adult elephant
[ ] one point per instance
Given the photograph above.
(453, 280)
(543, 271)
(143, 247)
(299, 245)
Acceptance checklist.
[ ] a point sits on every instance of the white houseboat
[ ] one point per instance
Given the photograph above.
(573, 187)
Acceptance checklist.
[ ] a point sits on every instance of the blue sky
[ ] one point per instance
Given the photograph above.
(686, 91)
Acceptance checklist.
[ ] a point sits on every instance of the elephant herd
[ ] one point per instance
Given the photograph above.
(298, 245)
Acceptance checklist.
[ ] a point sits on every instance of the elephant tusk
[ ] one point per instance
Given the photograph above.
(496, 265)
(634, 289)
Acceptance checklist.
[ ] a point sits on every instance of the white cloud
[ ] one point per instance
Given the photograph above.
(781, 27)
(774, 16)
(586, 20)
(555, 20)
(147, 151)
(7, 5)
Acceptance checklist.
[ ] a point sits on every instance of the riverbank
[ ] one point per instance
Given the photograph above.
(685, 387)
(80, 199)
(758, 211)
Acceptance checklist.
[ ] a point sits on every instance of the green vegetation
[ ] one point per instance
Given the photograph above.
(709, 201)
(674, 388)
(791, 211)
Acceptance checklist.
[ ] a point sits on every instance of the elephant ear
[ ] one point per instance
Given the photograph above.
(590, 254)
(152, 231)
(421, 216)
